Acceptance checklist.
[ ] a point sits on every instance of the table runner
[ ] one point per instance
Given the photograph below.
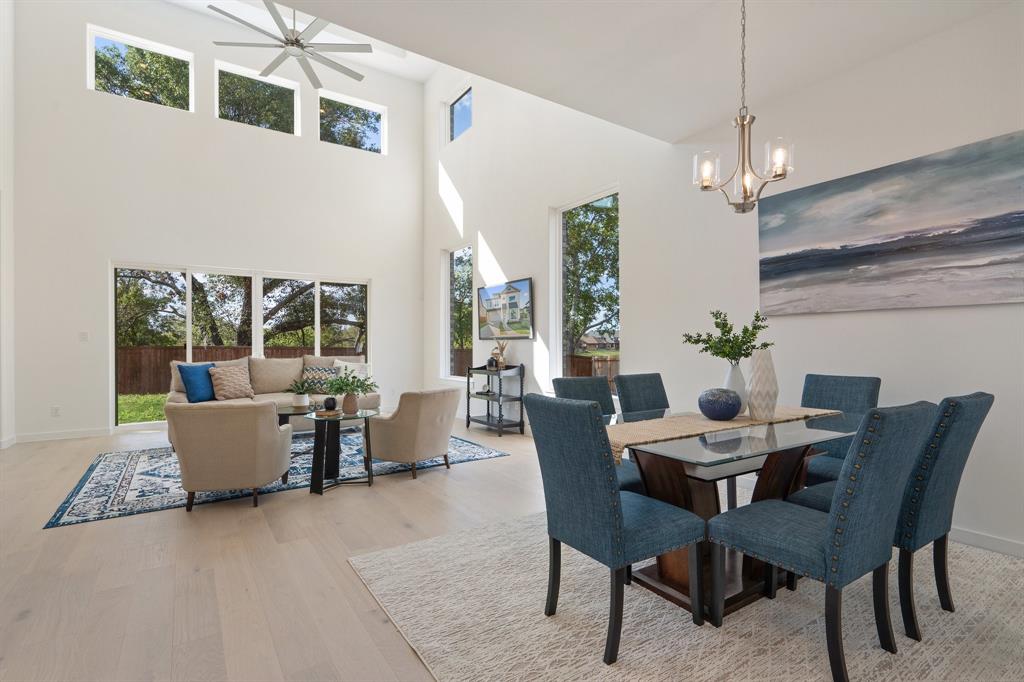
(690, 424)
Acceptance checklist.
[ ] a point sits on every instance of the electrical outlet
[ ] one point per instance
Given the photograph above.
(83, 337)
(55, 411)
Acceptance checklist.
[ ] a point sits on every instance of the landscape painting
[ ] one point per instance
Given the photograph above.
(945, 229)
(505, 311)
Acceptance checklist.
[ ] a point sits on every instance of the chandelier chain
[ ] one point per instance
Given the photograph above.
(743, 57)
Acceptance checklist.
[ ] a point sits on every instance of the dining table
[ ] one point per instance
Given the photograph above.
(685, 471)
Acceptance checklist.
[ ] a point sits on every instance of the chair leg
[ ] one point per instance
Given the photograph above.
(414, 469)
(717, 605)
(791, 581)
(447, 464)
(611, 645)
(907, 607)
(255, 497)
(939, 548)
(771, 580)
(629, 574)
(189, 501)
(554, 575)
(880, 595)
(834, 633)
(284, 478)
(696, 552)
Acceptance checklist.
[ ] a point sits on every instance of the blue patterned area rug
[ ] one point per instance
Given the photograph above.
(140, 481)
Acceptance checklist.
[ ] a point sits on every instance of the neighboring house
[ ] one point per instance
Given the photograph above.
(599, 342)
(505, 306)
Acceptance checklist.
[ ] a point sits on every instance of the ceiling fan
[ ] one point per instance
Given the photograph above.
(295, 43)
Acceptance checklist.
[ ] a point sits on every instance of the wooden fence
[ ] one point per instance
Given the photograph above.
(594, 366)
(147, 369)
(461, 359)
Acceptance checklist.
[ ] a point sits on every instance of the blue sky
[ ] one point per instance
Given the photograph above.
(462, 114)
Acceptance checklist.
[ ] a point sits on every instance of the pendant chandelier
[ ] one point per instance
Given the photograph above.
(747, 184)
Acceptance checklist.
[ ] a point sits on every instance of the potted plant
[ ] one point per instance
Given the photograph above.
(350, 385)
(301, 388)
(732, 346)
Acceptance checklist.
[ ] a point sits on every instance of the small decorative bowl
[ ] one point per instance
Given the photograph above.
(330, 403)
(719, 404)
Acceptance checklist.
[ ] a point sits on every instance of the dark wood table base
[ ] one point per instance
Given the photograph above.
(672, 481)
(327, 456)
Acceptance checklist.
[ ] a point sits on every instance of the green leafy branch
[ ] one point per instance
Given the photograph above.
(726, 343)
(348, 382)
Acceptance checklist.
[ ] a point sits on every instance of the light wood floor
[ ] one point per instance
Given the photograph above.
(227, 591)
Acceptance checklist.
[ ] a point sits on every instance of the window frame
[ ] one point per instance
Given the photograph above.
(362, 104)
(92, 32)
(446, 306)
(449, 113)
(221, 65)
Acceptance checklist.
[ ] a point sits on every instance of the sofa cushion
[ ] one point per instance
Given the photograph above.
(318, 377)
(360, 369)
(231, 382)
(176, 384)
(197, 381)
(273, 375)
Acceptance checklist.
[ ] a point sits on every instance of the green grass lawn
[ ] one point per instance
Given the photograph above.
(600, 353)
(140, 408)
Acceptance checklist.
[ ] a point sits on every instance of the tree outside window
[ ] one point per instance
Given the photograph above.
(460, 311)
(133, 72)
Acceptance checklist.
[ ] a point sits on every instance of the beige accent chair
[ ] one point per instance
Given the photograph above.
(228, 446)
(419, 429)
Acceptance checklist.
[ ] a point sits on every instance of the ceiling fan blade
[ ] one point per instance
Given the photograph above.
(310, 73)
(278, 19)
(278, 61)
(335, 65)
(314, 27)
(228, 44)
(341, 47)
(245, 23)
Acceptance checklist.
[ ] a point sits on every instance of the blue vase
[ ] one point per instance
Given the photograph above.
(719, 404)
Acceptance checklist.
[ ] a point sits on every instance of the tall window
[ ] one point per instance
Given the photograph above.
(350, 125)
(460, 311)
(342, 319)
(221, 317)
(139, 69)
(590, 289)
(288, 318)
(460, 114)
(149, 331)
(257, 102)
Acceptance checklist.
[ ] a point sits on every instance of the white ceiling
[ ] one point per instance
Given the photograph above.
(667, 68)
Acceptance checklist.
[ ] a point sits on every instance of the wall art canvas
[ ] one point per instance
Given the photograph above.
(940, 230)
(505, 311)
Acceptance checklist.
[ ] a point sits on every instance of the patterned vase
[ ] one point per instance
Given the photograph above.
(763, 392)
(350, 403)
(734, 382)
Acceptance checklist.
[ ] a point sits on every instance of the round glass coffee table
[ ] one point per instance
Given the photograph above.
(327, 449)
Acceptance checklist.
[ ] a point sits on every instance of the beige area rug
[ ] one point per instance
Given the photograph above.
(472, 606)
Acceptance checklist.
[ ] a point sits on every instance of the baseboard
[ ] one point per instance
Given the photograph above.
(986, 541)
(62, 435)
(7, 442)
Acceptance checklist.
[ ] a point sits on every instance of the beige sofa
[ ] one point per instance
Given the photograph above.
(419, 429)
(270, 379)
(229, 447)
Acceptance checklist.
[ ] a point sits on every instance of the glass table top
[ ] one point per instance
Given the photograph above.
(361, 414)
(744, 442)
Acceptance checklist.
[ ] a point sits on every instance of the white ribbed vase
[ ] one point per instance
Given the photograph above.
(763, 391)
(734, 382)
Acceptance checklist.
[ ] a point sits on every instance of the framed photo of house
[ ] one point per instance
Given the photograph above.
(505, 311)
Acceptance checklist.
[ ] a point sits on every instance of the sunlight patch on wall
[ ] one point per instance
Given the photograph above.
(487, 265)
(450, 197)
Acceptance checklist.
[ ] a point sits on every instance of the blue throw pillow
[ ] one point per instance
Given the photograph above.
(198, 384)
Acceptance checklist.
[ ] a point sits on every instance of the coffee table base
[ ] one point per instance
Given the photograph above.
(327, 456)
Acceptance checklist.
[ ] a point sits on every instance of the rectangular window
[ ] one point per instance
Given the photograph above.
(289, 327)
(149, 332)
(343, 319)
(221, 317)
(139, 69)
(348, 124)
(460, 311)
(590, 289)
(460, 114)
(270, 103)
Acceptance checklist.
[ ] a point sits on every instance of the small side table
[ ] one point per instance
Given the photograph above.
(496, 400)
(327, 449)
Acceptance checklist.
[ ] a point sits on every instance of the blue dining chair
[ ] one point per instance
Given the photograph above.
(838, 547)
(847, 394)
(598, 390)
(587, 511)
(926, 515)
(641, 392)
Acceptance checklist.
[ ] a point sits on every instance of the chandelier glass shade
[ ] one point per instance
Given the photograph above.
(747, 183)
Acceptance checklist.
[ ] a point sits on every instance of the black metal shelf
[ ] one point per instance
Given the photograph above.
(496, 400)
(494, 397)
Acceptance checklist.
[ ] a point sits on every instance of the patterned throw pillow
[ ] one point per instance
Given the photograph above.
(231, 382)
(319, 376)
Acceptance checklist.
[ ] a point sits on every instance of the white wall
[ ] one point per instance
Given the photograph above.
(683, 253)
(7, 430)
(102, 178)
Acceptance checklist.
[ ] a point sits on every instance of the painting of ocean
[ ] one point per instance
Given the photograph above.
(940, 230)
